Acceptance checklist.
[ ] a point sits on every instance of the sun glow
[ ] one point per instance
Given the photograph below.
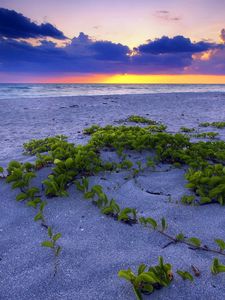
(165, 79)
(118, 79)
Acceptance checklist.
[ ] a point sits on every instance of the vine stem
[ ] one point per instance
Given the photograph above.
(56, 263)
(190, 245)
(174, 240)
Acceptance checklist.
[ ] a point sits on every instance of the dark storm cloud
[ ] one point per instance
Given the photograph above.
(15, 25)
(82, 55)
(177, 44)
(109, 51)
(86, 55)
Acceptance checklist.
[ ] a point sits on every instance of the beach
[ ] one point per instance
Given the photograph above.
(94, 246)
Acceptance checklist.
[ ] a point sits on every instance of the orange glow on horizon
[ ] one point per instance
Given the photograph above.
(140, 79)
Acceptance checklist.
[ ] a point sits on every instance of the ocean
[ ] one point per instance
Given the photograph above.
(13, 91)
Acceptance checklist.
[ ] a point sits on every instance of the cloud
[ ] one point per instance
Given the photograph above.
(210, 62)
(83, 54)
(106, 50)
(15, 25)
(97, 27)
(165, 15)
(222, 35)
(177, 44)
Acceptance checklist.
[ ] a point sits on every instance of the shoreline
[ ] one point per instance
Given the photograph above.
(111, 95)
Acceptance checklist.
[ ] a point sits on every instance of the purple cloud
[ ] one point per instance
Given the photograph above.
(177, 44)
(84, 55)
(15, 25)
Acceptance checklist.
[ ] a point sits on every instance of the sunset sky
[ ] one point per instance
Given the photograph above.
(145, 41)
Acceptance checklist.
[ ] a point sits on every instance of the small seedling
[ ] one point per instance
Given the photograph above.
(185, 275)
(91, 130)
(52, 244)
(112, 209)
(146, 281)
(213, 124)
(146, 221)
(180, 237)
(128, 216)
(139, 119)
(217, 267)
(83, 185)
(207, 135)
(56, 185)
(221, 244)
(40, 216)
(188, 199)
(195, 242)
(156, 128)
(187, 130)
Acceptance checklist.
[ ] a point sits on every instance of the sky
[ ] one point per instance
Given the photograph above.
(144, 41)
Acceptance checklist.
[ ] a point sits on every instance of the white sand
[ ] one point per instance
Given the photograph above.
(96, 247)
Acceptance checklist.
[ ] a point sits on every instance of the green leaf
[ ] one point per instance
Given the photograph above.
(48, 244)
(152, 222)
(97, 189)
(85, 183)
(123, 216)
(220, 243)
(185, 275)
(216, 267)
(180, 237)
(28, 176)
(148, 288)
(145, 277)
(1, 170)
(57, 236)
(115, 206)
(79, 186)
(125, 274)
(32, 191)
(49, 231)
(38, 217)
(161, 263)
(42, 206)
(164, 224)
(195, 242)
(21, 197)
(141, 268)
(89, 195)
(204, 200)
(57, 161)
(69, 163)
(107, 210)
(32, 203)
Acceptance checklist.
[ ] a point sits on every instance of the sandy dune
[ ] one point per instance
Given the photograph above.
(95, 247)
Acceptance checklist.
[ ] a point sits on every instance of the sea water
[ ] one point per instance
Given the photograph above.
(13, 91)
